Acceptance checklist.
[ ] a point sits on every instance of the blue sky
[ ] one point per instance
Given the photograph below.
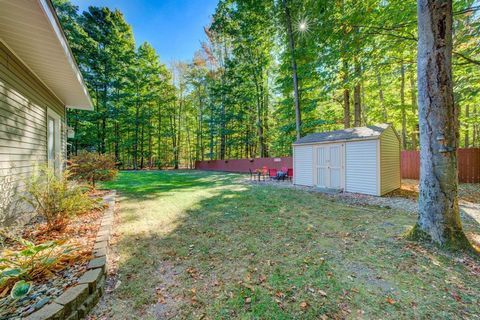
(173, 27)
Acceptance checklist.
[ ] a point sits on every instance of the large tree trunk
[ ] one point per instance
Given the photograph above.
(291, 42)
(439, 217)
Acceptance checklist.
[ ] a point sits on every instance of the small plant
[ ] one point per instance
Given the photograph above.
(93, 167)
(8, 199)
(55, 198)
(31, 262)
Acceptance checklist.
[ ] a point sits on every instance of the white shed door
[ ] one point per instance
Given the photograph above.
(329, 166)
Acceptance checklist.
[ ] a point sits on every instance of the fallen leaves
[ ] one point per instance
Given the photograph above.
(193, 272)
(389, 300)
(304, 305)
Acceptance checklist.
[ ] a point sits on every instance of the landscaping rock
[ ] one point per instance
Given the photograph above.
(97, 263)
(100, 245)
(103, 237)
(91, 278)
(41, 303)
(52, 311)
(102, 252)
(73, 297)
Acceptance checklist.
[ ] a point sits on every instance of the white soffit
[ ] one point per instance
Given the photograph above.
(30, 28)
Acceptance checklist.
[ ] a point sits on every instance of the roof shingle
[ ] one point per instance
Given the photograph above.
(346, 134)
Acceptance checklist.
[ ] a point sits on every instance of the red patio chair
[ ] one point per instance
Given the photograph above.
(264, 172)
(290, 173)
(272, 173)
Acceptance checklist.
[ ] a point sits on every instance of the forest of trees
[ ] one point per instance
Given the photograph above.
(271, 71)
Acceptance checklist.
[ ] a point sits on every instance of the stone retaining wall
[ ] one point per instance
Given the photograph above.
(77, 301)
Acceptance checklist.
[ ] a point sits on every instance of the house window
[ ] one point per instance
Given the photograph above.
(53, 140)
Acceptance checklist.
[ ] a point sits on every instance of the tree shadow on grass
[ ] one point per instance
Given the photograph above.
(263, 252)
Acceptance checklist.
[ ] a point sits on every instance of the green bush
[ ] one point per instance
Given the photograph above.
(56, 198)
(93, 167)
(31, 262)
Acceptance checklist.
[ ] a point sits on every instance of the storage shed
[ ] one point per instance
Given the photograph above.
(361, 160)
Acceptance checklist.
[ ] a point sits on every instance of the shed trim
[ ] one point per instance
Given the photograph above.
(336, 141)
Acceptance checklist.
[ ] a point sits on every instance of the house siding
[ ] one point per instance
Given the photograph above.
(361, 172)
(303, 165)
(390, 161)
(23, 116)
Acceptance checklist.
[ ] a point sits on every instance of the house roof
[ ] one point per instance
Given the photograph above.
(358, 133)
(31, 30)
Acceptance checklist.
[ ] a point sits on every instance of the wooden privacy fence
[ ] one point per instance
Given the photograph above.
(468, 164)
(242, 165)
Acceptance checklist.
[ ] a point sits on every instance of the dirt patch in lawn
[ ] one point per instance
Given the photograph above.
(466, 191)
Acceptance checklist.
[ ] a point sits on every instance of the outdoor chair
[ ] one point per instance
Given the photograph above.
(290, 173)
(272, 173)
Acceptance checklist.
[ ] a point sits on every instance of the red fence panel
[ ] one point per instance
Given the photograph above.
(410, 165)
(468, 164)
(242, 165)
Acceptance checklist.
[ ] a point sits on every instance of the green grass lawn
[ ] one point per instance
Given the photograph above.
(197, 245)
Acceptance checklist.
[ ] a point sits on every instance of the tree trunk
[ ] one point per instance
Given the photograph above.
(291, 42)
(467, 128)
(357, 106)
(159, 138)
(357, 101)
(475, 129)
(402, 106)
(439, 218)
(135, 142)
(346, 108)
(381, 97)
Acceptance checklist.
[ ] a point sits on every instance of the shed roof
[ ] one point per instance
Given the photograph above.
(30, 29)
(358, 133)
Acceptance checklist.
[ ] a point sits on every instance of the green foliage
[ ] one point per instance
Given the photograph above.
(93, 167)
(55, 198)
(20, 289)
(235, 98)
(31, 262)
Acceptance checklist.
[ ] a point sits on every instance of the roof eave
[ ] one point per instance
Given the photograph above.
(52, 17)
(337, 141)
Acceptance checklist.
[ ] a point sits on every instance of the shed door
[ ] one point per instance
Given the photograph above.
(329, 166)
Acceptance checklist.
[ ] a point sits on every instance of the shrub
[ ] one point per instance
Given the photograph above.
(93, 167)
(9, 202)
(55, 198)
(31, 262)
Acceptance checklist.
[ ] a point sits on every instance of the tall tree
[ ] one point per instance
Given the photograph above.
(291, 44)
(439, 216)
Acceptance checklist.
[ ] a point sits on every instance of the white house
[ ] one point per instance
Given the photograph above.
(361, 160)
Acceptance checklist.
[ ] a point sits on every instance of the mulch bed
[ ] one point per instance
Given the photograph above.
(80, 233)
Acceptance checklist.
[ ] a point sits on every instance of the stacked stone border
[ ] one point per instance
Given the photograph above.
(77, 301)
